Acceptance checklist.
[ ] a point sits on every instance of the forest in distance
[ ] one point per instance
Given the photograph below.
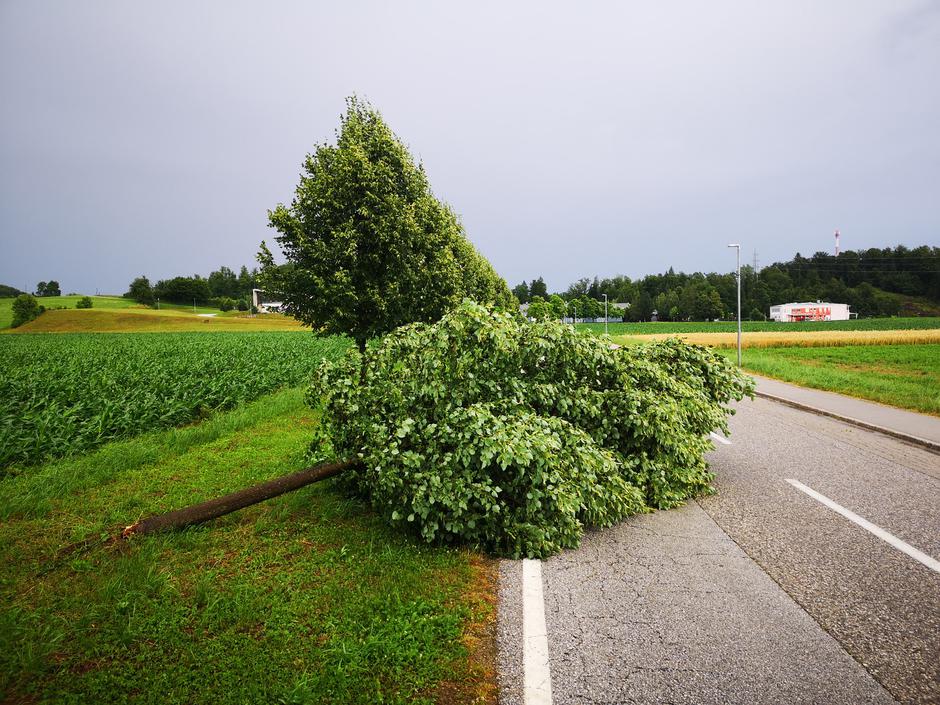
(874, 282)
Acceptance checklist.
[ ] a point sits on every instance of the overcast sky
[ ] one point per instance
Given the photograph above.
(573, 139)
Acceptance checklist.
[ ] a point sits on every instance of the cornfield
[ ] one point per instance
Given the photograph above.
(68, 393)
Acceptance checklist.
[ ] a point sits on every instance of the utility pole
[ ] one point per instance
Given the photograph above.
(737, 247)
(605, 314)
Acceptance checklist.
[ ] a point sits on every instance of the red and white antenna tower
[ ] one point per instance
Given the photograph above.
(837, 243)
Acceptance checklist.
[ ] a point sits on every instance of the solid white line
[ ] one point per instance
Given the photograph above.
(931, 563)
(720, 439)
(537, 679)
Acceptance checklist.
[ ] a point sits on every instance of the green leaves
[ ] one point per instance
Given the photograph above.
(368, 246)
(513, 437)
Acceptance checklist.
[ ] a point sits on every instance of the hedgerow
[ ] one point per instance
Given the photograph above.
(483, 428)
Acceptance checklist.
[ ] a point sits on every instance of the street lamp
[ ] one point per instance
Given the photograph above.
(605, 314)
(738, 248)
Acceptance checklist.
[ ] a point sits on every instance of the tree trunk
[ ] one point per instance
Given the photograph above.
(214, 508)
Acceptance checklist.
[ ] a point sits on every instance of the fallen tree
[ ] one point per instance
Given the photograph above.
(214, 508)
(487, 430)
(512, 437)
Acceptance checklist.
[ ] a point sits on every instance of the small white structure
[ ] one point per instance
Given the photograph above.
(262, 306)
(810, 311)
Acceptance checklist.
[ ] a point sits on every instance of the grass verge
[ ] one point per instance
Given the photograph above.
(786, 338)
(907, 376)
(306, 598)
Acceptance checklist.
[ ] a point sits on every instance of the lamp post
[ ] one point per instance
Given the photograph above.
(737, 247)
(605, 314)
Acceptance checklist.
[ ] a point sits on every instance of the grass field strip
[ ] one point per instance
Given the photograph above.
(720, 439)
(537, 678)
(919, 556)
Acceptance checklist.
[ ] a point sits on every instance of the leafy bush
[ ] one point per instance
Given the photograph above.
(84, 302)
(513, 436)
(225, 303)
(25, 309)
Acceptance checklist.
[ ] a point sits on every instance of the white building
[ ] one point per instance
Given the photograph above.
(810, 311)
(262, 306)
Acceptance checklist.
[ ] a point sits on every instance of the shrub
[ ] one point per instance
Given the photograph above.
(512, 436)
(84, 302)
(242, 305)
(225, 303)
(25, 309)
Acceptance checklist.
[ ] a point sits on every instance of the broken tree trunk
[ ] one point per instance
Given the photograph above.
(214, 508)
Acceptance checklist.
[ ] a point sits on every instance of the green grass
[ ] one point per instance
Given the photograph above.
(305, 598)
(667, 327)
(906, 376)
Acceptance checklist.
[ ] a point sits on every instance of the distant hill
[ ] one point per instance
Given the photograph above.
(8, 291)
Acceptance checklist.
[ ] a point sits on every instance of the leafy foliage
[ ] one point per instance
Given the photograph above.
(141, 291)
(62, 394)
(84, 302)
(513, 436)
(368, 246)
(539, 309)
(50, 288)
(25, 309)
(183, 290)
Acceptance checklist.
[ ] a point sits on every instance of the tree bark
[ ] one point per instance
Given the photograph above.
(214, 508)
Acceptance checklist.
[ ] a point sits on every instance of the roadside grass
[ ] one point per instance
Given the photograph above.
(668, 327)
(151, 321)
(305, 598)
(787, 338)
(906, 376)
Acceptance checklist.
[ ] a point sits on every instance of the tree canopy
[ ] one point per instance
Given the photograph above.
(367, 244)
(50, 288)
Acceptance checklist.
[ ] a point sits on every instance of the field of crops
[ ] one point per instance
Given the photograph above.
(67, 393)
(666, 327)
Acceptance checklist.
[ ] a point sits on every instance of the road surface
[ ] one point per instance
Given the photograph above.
(762, 593)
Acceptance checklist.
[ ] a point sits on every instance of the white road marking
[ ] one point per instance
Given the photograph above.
(720, 439)
(931, 563)
(537, 679)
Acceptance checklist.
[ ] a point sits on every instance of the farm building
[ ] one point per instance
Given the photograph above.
(262, 306)
(810, 311)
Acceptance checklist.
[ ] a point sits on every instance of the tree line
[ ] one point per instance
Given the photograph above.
(874, 282)
(222, 288)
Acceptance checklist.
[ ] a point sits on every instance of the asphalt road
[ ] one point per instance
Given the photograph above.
(759, 594)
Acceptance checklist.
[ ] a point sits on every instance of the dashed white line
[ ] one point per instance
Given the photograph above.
(920, 556)
(720, 439)
(537, 679)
